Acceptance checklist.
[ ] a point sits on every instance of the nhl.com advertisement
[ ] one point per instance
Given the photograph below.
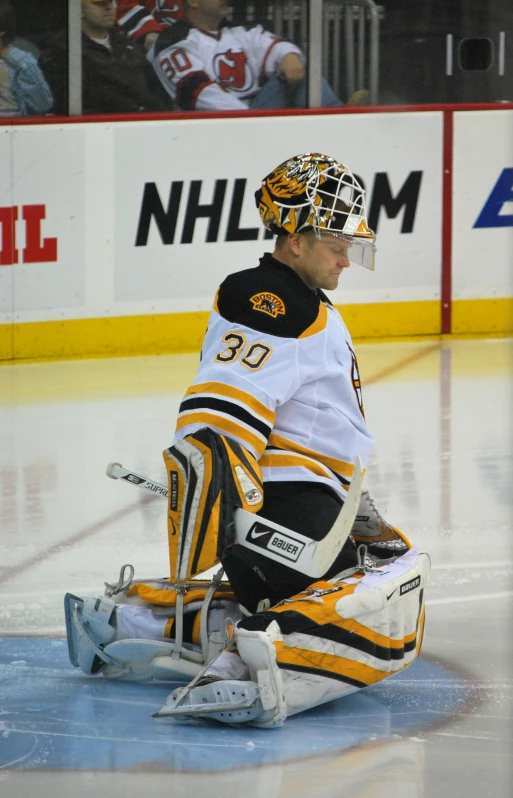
(186, 213)
(136, 218)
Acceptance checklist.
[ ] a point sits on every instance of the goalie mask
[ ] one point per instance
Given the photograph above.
(315, 192)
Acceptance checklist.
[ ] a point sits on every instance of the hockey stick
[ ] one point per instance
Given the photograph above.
(296, 551)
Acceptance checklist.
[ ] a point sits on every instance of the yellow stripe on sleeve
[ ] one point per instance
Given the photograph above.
(319, 324)
(225, 425)
(222, 389)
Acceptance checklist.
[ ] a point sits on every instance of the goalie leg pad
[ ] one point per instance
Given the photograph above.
(142, 660)
(338, 637)
(331, 640)
(90, 625)
(127, 641)
(259, 651)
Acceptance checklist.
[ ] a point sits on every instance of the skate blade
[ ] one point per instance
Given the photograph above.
(203, 709)
(227, 701)
(71, 602)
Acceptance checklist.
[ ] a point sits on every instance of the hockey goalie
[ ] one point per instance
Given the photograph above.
(315, 595)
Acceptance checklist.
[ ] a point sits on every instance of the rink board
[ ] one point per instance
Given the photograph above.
(114, 236)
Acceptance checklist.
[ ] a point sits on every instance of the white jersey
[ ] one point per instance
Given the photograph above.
(278, 373)
(216, 71)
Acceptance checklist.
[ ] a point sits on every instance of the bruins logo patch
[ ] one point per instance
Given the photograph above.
(268, 303)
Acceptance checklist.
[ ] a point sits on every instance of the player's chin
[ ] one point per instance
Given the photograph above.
(332, 281)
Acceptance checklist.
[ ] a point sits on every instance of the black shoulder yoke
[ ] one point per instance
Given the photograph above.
(272, 298)
(172, 34)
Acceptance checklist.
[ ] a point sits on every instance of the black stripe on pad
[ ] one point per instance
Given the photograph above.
(319, 672)
(338, 635)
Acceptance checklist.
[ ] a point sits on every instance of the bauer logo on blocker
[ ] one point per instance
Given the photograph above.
(282, 545)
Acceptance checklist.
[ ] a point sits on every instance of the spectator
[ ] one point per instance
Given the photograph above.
(23, 89)
(143, 20)
(116, 77)
(205, 66)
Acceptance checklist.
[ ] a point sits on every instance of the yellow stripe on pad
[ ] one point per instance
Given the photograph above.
(167, 598)
(323, 613)
(329, 663)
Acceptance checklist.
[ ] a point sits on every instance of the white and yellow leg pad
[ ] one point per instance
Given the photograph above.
(331, 640)
(150, 629)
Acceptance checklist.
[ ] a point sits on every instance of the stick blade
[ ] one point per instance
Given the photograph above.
(330, 547)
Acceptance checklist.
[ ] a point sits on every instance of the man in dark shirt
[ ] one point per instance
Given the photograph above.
(116, 78)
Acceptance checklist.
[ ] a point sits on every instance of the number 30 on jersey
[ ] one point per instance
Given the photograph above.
(252, 356)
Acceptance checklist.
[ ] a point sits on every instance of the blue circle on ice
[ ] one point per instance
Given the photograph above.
(53, 716)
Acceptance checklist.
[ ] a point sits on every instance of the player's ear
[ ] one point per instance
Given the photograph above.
(295, 243)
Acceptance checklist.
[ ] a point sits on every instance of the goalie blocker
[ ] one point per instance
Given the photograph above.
(214, 491)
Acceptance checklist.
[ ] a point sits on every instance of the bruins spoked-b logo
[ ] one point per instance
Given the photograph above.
(357, 383)
(268, 303)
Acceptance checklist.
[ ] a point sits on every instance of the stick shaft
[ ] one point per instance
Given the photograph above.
(116, 471)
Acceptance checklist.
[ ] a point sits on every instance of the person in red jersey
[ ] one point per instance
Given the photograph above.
(143, 20)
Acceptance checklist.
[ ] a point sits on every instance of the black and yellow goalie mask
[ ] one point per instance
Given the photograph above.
(314, 192)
